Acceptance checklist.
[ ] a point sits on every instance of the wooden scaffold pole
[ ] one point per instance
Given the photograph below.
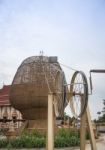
(50, 138)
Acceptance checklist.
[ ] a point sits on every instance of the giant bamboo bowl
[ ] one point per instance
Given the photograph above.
(34, 79)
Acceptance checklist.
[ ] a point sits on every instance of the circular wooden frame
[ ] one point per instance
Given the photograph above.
(78, 94)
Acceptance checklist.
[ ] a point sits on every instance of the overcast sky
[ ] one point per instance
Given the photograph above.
(73, 30)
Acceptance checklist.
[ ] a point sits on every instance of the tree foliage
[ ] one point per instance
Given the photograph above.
(101, 114)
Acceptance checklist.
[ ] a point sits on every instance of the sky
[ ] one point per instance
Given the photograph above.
(73, 30)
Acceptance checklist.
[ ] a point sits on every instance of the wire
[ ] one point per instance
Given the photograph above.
(68, 67)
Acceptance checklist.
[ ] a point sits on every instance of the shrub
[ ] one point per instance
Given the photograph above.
(3, 143)
(63, 138)
(9, 146)
(29, 140)
(74, 141)
(68, 133)
(66, 138)
(59, 142)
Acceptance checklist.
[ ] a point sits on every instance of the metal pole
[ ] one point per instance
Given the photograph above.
(50, 140)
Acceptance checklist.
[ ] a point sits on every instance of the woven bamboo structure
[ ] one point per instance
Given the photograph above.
(34, 79)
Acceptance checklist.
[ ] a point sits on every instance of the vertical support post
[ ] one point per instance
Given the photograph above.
(83, 132)
(50, 140)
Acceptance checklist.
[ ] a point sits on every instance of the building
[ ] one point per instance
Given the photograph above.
(7, 111)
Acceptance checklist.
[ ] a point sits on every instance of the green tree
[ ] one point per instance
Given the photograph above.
(101, 114)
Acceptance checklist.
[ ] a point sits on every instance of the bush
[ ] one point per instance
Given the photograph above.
(29, 140)
(68, 133)
(74, 141)
(63, 138)
(3, 143)
(66, 138)
(9, 146)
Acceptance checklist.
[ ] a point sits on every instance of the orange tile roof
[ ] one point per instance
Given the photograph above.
(4, 96)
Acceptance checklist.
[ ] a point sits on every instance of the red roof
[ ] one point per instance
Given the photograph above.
(4, 95)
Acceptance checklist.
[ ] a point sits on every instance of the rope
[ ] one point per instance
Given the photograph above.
(68, 67)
